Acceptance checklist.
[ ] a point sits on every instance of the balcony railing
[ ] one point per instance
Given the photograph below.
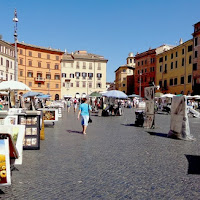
(40, 79)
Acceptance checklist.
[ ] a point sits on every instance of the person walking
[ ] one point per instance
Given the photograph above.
(68, 105)
(75, 104)
(84, 110)
(1, 105)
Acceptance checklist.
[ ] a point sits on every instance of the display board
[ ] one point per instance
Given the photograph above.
(149, 95)
(17, 132)
(50, 114)
(32, 131)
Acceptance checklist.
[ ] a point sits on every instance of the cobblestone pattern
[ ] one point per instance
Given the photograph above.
(115, 160)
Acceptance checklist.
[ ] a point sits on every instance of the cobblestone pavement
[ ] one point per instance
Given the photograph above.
(115, 160)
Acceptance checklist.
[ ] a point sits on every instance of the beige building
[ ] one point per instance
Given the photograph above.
(123, 75)
(82, 74)
(7, 61)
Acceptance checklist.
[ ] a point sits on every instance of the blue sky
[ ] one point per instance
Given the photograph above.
(111, 28)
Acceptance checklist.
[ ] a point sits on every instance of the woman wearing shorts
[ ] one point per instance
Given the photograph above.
(84, 109)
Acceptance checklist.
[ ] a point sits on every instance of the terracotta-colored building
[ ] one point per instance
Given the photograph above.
(145, 70)
(40, 69)
(196, 59)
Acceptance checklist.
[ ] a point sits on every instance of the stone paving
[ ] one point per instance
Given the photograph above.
(115, 160)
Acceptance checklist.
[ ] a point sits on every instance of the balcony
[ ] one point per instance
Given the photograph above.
(39, 79)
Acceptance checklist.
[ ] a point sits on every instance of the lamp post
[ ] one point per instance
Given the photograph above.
(15, 20)
(49, 81)
(140, 83)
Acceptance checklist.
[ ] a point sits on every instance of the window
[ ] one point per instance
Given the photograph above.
(30, 63)
(48, 65)
(194, 66)
(99, 75)
(21, 51)
(77, 74)
(145, 62)
(39, 84)
(196, 41)
(48, 76)
(124, 85)
(30, 53)
(165, 84)
(90, 75)
(90, 84)
(11, 64)
(175, 81)
(189, 48)
(98, 85)
(183, 63)
(130, 60)
(77, 65)
(142, 62)
(182, 80)
(77, 83)
(160, 83)
(177, 54)
(39, 55)
(30, 74)
(99, 66)
(63, 75)
(145, 70)
(172, 56)
(84, 75)
(190, 59)
(189, 78)
(195, 54)
(21, 73)
(172, 65)
(152, 69)
(57, 85)
(71, 85)
(11, 77)
(84, 84)
(71, 76)
(183, 51)
(57, 77)
(138, 71)
(176, 64)
(30, 84)
(63, 84)
(57, 57)
(39, 64)
(84, 65)
(160, 68)
(165, 68)
(56, 66)
(171, 81)
(124, 70)
(72, 65)
(7, 63)
(48, 56)
(1, 61)
(160, 59)
(165, 58)
(21, 61)
(138, 63)
(90, 65)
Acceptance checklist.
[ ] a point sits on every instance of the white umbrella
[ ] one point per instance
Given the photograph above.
(115, 94)
(13, 85)
(167, 95)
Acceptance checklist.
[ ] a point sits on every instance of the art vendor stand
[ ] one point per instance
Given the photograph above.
(8, 151)
(32, 122)
(50, 115)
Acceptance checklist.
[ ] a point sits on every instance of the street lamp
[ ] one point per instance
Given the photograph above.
(140, 83)
(15, 20)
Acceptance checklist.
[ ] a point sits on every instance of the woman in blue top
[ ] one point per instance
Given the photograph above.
(84, 109)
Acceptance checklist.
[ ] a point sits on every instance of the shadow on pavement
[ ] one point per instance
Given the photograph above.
(71, 131)
(1, 192)
(129, 125)
(193, 164)
(158, 134)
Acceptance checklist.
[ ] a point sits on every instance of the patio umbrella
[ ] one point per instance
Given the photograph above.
(13, 85)
(116, 94)
(133, 95)
(168, 95)
(159, 94)
(32, 94)
(44, 96)
(95, 94)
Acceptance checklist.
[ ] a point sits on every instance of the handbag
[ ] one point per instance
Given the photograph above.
(90, 120)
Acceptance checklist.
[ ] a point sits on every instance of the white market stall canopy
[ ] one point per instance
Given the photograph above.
(13, 85)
